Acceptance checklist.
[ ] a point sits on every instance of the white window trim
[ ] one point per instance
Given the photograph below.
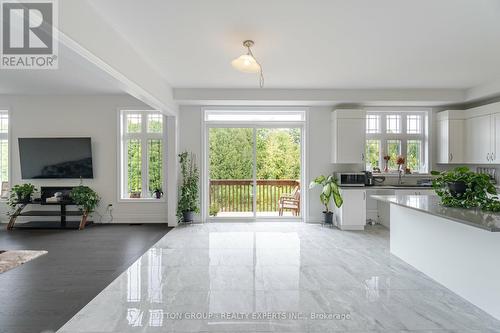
(404, 137)
(144, 136)
(7, 136)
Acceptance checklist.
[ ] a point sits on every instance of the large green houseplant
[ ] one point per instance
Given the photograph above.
(188, 194)
(330, 191)
(85, 198)
(463, 188)
(21, 194)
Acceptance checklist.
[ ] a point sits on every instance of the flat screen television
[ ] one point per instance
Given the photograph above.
(45, 158)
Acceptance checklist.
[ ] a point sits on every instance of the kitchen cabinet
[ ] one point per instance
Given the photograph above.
(348, 128)
(352, 214)
(450, 137)
(479, 134)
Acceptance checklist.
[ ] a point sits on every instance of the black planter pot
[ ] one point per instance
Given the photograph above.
(457, 189)
(188, 216)
(328, 217)
(158, 194)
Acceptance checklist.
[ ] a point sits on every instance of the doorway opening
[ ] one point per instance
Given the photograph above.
(254, 165)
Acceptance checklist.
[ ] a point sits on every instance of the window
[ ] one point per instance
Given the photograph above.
(393, 123)
(254, 116)
(372, 123)
(4, 152)
(396, 134)
(373, 154)
(393, 150)
(142, 155)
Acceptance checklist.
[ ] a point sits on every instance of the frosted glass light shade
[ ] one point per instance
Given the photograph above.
(246, 64)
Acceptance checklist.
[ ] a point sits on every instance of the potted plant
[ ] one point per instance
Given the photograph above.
(158, 193)
(188, 197)
(464, 188)
(214, 209)
(387, 158)
(330, 190)
(400, 161)
(85, 198)
(21, 194)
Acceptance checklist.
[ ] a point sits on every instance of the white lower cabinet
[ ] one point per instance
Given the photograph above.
(352, 214)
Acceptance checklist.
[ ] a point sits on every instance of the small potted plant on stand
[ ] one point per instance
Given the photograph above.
(188, 197)
(330, 190)
(85, 198)
(20, 194)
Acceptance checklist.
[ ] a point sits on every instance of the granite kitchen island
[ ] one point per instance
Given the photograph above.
(459, 248)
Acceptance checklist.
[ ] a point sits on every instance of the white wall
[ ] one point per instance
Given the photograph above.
(93, 116)
(317, 150)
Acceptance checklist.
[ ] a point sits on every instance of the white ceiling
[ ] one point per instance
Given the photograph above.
(75, 76)
(310, 44)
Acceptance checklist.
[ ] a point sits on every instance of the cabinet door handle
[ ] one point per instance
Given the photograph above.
(362, 156)
(488, 156)
(451, 157)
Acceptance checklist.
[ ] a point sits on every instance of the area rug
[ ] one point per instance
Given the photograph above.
(12, 259)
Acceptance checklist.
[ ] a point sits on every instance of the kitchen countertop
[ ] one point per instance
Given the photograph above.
(430, 204)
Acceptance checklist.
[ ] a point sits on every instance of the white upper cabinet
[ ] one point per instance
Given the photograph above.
(450, 137)
(348, 128)
(482, 134)
(479, 139)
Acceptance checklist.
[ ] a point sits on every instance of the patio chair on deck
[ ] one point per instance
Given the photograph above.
(290, 201)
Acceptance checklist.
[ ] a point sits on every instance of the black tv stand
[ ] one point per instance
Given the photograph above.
(62, 212)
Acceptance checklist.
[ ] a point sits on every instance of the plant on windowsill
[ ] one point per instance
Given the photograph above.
(85, 198)
(387, 158)
(157, 192)
(330, 190)
(20, 194)
(187, 205)
(463, 188)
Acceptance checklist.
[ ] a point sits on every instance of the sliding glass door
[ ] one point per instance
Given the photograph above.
(278, 161)
(231, 170)
(253, 171)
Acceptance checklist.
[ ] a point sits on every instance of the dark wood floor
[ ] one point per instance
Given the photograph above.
(45, 293)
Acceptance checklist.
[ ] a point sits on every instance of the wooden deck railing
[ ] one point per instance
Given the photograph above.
(236, 195)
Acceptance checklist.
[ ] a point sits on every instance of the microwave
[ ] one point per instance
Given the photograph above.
(351, 178)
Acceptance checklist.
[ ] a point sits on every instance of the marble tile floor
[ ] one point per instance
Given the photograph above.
(275, 277)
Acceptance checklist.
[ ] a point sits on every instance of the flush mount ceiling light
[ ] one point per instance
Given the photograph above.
(247, 63)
